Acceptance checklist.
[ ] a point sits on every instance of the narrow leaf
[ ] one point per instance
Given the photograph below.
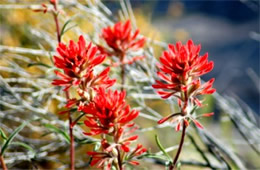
(64, 26)
(26, 146)
(97, 146)
(38, 64)
(179, 166)
(59, 131)
(64, 29)
(161, 148)
(78, 118)
(85, 141)
(193, 109)
(149, 155)
(11, 137)
(70, 28)
(2, 134)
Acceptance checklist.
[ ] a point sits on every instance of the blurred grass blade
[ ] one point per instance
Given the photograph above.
(63, 30)
(2, 134)
(26, 146)
(151, 155)
(59, 131)
(11, 137)
(38, 64)
(78, 118)
(64, 27)
(97, 146)
(193, 109)
(179, 166)
(162, 149)
(85, 141)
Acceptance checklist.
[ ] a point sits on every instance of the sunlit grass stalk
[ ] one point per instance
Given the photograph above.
(122, 58)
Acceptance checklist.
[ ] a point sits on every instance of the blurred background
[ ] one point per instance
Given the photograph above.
(227, 29)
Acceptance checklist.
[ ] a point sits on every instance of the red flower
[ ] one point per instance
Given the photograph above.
(121, 39)
(77, 62)
(105, 159)
(53, 1)
(181, 69)
(100, 158)
(108, 112)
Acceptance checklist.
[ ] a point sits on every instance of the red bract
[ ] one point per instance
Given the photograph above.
(121, 39)
(77, 62)
(180, 70)
(108, 112)
(53, 1)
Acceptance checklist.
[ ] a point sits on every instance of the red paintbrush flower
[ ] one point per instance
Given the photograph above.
(180, 70)
(108, 112)
(121, 39)
(77, 62)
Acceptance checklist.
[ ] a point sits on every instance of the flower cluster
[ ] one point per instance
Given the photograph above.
(108, 114)
(77, 62)
(121, 39)
(180, 71)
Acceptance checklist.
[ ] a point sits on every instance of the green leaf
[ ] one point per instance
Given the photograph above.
(26, 146)
(162, 149)
(59, 131)
(70, 28)
(38, 64)
(85, 141)
(2, 134)
(11, 137)
(80, 123)
(97, 146)
(79, 117)
(179, 166)
(151, 155)
(63, 30)
(193, 109)
(64, 26)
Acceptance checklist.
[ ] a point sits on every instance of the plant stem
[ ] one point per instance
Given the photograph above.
(180, 147)
(72, 150)
(119, 159)
(3, 162)
(71, 123)
(55, 15)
